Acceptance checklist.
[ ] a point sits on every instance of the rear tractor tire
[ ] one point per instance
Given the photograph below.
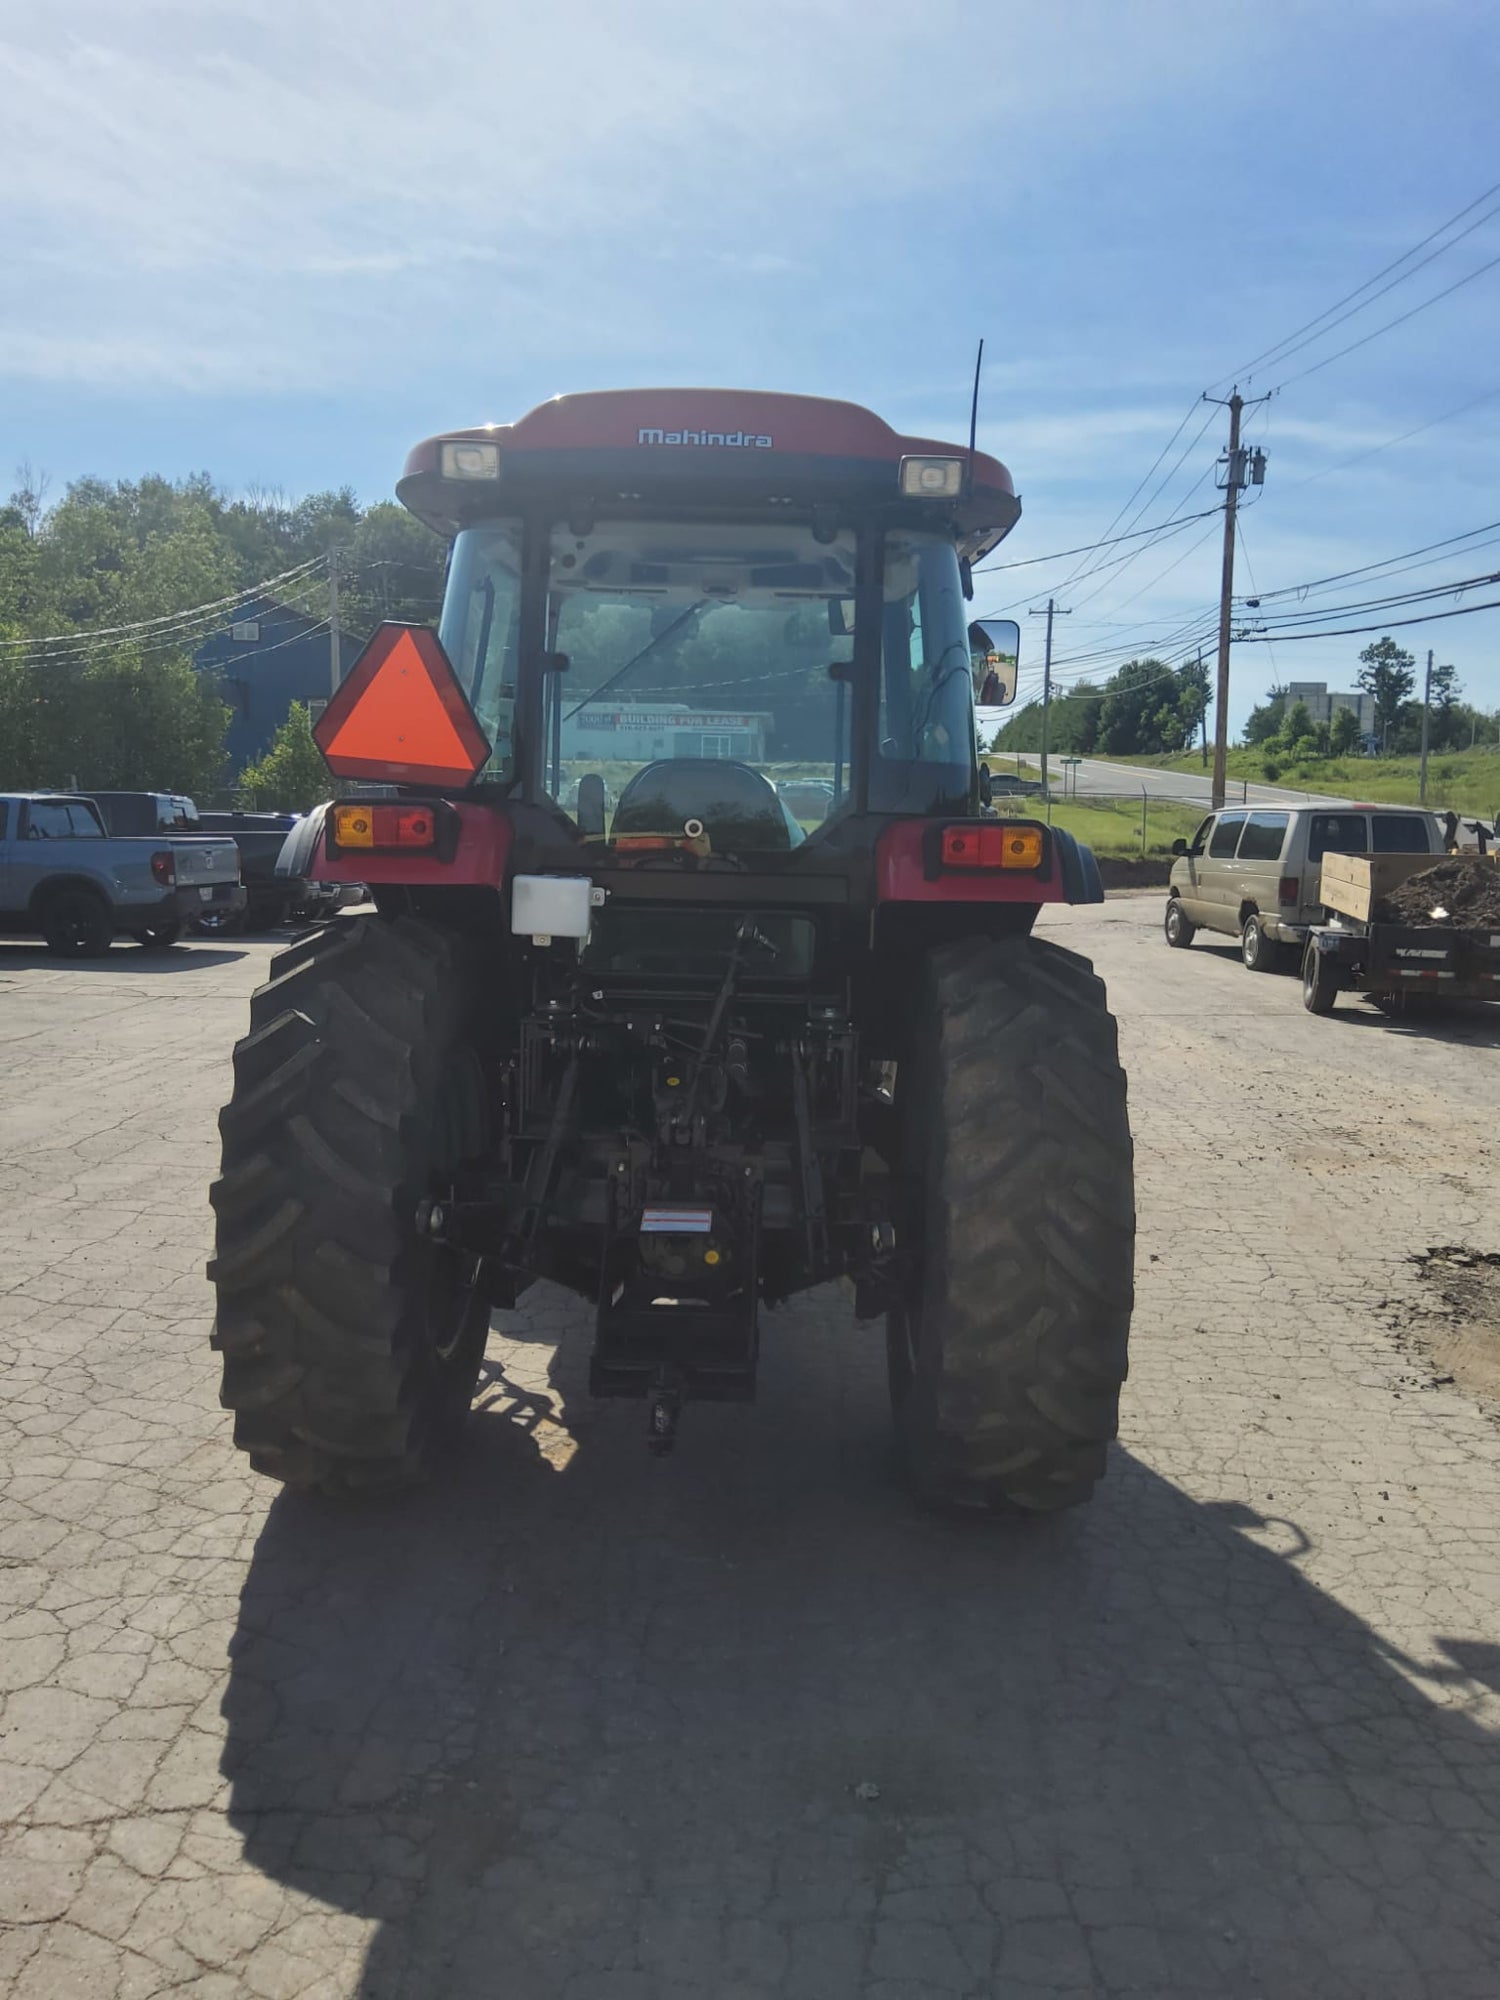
(351, 1340)
(1009, 1348)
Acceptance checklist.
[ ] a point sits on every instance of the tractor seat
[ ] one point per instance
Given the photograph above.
(741, 811)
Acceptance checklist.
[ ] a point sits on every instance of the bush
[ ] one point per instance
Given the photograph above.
(292, 776)
(1271, 770)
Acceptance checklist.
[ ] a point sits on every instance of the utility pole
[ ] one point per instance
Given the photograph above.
(333, 621)
(1052, 612)
(1238, 474)
(1426, 709)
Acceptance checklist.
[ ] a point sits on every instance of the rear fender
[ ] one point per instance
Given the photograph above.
(904, 872)
(480, 858)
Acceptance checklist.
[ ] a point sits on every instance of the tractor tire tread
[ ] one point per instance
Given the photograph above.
(326, 1141)
(1029, 1181)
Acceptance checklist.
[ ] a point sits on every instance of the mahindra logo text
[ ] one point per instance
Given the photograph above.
(648, 436)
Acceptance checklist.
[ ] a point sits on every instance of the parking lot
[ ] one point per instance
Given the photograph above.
(741, 1723)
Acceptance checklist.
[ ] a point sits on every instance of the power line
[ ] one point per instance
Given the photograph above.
(1359, 457)
(1343, 576)
(1385, 625)
(190, 631)
(1400, 320)
(1182, 426)
(1396, 601)
(1088, 548)
(1278, 348)
(188, 615)
(1158, 534)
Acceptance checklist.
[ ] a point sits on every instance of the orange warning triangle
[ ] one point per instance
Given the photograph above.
(401, 715)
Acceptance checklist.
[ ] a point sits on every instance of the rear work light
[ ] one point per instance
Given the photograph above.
(164, 867)
(993, 846)
(470, 461)
(407, 829)
(932, 478)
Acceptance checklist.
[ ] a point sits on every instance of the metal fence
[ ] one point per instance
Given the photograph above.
(1113, 822)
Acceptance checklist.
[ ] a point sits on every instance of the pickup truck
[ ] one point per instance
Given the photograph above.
(61, 874)
(272, 896)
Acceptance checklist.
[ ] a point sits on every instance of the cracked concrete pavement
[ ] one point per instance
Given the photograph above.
(742, 1724)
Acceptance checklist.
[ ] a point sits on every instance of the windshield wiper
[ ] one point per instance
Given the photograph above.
(693, 611)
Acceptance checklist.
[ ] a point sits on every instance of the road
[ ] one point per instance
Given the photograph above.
(1099, 777)
(741, 1725)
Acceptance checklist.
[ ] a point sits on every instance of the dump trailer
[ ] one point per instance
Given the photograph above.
(633, 1016)
(1405, 929)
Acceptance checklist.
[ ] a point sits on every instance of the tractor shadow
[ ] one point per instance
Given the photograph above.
(579, 1723)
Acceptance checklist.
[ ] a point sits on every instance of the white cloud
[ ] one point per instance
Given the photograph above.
(166, 150)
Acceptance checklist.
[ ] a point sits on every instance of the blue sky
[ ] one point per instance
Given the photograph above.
(280, 243)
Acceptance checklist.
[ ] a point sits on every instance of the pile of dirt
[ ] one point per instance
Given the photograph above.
(1462, 1335)
(1465, 887)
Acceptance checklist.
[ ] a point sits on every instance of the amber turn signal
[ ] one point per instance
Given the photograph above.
(372, 826)
(994, 844)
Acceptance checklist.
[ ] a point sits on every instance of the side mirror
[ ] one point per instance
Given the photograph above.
(1179, 847)
(986, 786)
(995, 649)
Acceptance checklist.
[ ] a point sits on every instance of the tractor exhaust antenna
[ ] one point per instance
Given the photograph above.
(974, 416)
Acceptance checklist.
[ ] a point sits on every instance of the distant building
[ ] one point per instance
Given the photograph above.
(1323, 706)
(646, 731)
(269, 657)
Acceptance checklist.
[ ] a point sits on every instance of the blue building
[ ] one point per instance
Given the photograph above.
(268, 658)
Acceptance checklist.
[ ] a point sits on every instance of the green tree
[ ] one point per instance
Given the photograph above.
(1073, 728)
(1343, 736)
(395, 568)
(1444, 730)
(1140, 713)
(1298, 727)
(1265, 720)
(1388, 672)
(291, 776)
(146, 723)
(1193, 697)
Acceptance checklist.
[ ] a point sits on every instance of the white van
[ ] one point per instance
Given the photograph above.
(1253, 872)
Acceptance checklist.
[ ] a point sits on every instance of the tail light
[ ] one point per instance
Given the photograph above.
(164, 868)
(992, 844)
(1289, 889)
(406, 829)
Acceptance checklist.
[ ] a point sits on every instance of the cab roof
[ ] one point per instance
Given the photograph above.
(739, 451)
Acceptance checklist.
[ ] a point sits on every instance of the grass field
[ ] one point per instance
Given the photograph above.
(1465, 780)
(1114, 829)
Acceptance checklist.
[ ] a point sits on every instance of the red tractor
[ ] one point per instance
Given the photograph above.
(700, 971)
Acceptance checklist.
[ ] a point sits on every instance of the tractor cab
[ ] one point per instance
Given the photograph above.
(657, 598)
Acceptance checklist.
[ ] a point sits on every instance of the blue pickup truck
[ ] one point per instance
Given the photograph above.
(63, 876)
